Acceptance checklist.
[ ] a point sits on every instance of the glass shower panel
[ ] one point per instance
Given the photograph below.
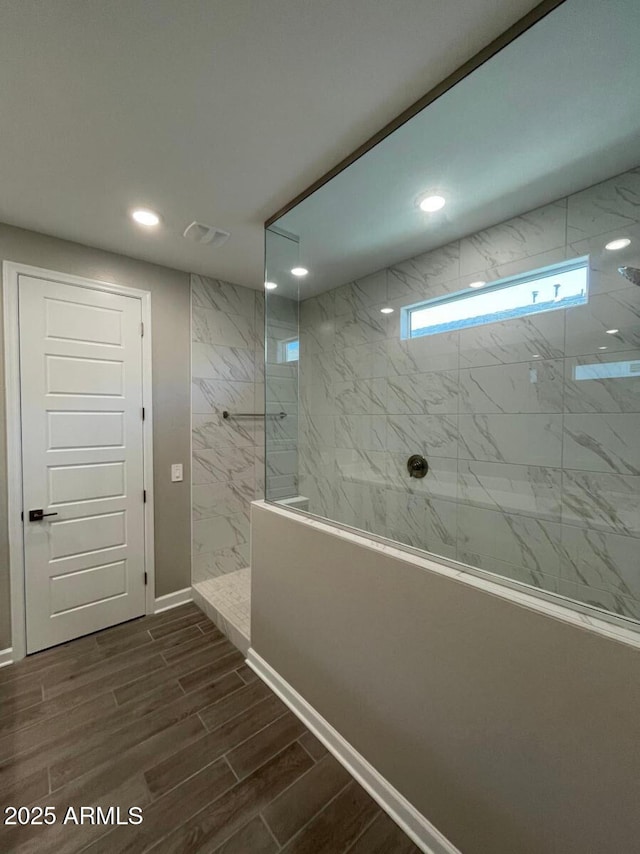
(281, 367)
(498, 338)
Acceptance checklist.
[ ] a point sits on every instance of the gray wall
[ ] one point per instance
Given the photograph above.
(509, 730)
(534, 472)
(171, 403)
(228, 454)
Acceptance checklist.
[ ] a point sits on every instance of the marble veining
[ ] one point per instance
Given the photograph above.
(434, 393)
(602, 442)
(609, 502)
(529, 234)
(510, 438)
(530, 425)
(227, 367)
(609, 205)
(521, 387)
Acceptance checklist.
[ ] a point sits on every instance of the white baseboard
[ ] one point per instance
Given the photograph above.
(6, 656)
(172, 600)
(413, 823)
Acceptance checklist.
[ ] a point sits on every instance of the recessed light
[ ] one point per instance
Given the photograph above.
(299, 271)
(270, 286)
(602, 348)
(430, 204)
(386, 310)
(612, 331)
(479, 284)
(143, 216)
(621, 243)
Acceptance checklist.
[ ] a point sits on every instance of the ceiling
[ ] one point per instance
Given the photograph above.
(556, 111)
(211, 110)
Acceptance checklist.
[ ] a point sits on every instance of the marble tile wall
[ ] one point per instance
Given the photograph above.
(531, 426)
(227, 352)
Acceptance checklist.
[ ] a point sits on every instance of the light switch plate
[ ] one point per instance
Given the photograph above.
(176, 472)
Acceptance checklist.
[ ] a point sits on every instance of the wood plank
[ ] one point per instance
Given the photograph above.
(102, 749)
(313, 746)
(383, 837)
(199, 677)
(221, 712)
(174, 808)
(176, 653)
(308, 796)
(225, 659)
(23, 790)
(253, 838)
(163, 713)
(167, 774)
(101, 785)
(41, 724)
(254, 752)
(247, 674)
(12, 705)
(72, 837)
(217, 822)
(49, 709)
(58, 681)
(168, 628)
(212, 649)
(189, 609)
(24, 685)
(107, 681)
(115, 647)
(334, 829)
(39, 661)
(208, 626)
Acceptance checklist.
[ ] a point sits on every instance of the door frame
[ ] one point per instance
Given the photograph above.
(10, 275)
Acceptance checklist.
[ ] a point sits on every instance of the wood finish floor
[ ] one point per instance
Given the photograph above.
(162, 713)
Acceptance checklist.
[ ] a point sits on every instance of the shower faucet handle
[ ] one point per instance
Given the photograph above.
(417, 466)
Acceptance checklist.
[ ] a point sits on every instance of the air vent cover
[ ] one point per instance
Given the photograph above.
(201, 233)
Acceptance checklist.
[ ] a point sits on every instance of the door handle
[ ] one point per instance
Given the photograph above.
(38, 515)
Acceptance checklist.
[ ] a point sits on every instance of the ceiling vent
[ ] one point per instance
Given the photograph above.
(201, 233)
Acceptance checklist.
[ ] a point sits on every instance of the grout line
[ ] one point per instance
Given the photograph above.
(253, 735)
(364, 830)
(313, 759)
(230, 766)
(212, 644)
(322, 808)
(239, 688)
(269, 831)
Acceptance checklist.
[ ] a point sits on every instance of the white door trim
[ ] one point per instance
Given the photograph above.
(10, 273)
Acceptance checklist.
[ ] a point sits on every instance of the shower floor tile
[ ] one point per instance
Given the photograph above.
(227, 601)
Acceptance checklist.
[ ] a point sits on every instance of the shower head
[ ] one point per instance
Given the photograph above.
(630, 273)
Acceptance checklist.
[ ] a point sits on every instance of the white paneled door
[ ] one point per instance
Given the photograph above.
(82, 448)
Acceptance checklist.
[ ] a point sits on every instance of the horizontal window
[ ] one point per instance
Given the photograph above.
(608, 370)
(546, 289)
(289, 350)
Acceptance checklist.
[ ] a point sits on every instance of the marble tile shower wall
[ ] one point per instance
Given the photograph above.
(534, 452)
(227, 354)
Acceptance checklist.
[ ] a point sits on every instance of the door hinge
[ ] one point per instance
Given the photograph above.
(142, 330)
(145, 579)
(143, 413)
(144, 496)
(22, 516)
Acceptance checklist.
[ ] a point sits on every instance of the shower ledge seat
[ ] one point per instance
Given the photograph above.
(226, 600)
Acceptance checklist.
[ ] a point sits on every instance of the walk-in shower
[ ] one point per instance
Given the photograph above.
(466, 381)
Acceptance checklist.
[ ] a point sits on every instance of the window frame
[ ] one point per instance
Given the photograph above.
(567, 266)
